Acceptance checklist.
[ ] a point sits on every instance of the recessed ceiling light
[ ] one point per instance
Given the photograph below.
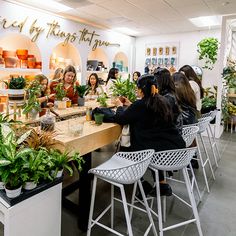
(205, 21)
(126, 30)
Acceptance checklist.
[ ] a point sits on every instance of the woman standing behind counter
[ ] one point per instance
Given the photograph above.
(69, 83)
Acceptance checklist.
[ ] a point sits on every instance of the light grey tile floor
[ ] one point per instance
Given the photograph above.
(217, 210)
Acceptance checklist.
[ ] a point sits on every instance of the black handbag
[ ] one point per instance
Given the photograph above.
(109, 114)
(189, 114)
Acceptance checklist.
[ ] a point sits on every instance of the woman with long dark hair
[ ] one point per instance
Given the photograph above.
(151, 122)
(166, 87)
(112, 76)
(94, 89)
(186, 98)
(195, 83)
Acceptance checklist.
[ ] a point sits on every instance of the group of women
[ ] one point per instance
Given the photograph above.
(166, 102)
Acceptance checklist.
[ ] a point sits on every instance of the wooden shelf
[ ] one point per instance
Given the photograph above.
(232, 95)
(20, 70)
(98, 72)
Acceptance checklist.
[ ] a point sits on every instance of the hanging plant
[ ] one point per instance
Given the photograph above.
(208, 50)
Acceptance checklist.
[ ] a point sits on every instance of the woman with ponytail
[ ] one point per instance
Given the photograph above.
(151, 122)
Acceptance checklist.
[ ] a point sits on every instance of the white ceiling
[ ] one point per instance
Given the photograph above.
(144, 17)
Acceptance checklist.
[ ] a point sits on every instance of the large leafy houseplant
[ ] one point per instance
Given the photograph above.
(36, 165)
(125, 88)
(32, 104)
(208, 50)
(11, 159)
(229, 75)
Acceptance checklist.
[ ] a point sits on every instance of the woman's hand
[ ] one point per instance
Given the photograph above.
(118, 103)
(127, 102)
(51, 96)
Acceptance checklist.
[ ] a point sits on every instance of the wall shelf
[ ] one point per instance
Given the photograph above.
(20, 70)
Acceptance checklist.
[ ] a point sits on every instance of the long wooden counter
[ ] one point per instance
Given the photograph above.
(93, 136)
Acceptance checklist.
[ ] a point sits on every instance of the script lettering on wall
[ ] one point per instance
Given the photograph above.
(53, 29)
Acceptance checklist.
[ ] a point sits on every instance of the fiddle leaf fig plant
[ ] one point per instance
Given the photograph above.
(208, 50)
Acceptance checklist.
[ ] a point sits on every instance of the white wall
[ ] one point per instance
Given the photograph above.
(187, 51)
(13, 12)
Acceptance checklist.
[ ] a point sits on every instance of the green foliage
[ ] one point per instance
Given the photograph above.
(17, 83)
(60, 92)
(125, 88)
(33, 92)
(208, 50)
(229, 75)
(36, 165)
(63, 161)
(102, 99)
(81, 89)
(209, 99)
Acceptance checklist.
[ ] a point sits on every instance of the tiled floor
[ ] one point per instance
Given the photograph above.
(217, 210)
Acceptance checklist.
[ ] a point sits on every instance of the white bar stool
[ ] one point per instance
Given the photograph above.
(202, 125)
(122, 168)
(211, 136)
(175, 160)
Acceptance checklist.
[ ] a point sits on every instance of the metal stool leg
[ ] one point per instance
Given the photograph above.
(194, 180)
(159, 210)
(202, 165)
(147, 208)
(112, 206)
(215, 144)
(211, 144)
(192, 200)
(124, 201)
(92, 206)
(207, 156)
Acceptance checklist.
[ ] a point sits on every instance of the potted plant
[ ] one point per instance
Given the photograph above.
(208, 50)
(35, 166)
(125, 88)
(32, 106)
(81, 90)
(60, 95)
(62, 161)
(16, 90)
(229, 75)
(102, 99)
(209, 100)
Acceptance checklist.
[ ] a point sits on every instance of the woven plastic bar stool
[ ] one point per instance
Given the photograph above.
(121, 169)
(211, 137)
(175, 160)
(202, 125)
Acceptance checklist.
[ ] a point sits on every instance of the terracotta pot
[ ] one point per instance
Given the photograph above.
(2, 62)
(30, 56)
(31, 62)
(0, 51)
(10, 62)
(6, 53)
(22, 54)
(23, 64)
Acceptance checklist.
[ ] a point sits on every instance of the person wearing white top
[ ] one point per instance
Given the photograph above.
(195, 84)
(112, 76)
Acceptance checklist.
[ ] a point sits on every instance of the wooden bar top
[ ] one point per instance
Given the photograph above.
(93, 136)
(68, 112)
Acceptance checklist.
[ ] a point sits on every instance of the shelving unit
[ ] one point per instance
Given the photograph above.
(232, 95)
(20, 70)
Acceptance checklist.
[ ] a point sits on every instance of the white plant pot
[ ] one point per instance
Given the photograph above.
(12, 193)
(61, 105)
(29, 185)
(2, 185)
(59, 173)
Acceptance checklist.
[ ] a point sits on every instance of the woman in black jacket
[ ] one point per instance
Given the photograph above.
(151, 122)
